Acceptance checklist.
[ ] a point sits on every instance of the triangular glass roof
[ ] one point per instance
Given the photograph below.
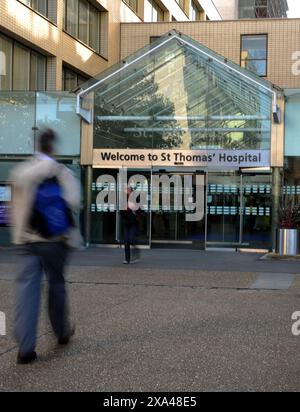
(176, 93)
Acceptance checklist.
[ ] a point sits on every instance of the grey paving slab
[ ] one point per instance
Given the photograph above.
(173, 259)
(153, 327)
(274, 281)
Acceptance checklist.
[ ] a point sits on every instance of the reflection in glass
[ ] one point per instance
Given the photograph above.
(58, 111)
(177, 98)
(17, 117)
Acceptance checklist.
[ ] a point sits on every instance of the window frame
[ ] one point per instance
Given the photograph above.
(66, 68)
(135, 10)
(76, 37)
(31, 51)
(266, 35)
(46, 17)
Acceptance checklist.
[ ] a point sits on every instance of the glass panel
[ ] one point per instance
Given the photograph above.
(72, 17)
(254, 53)
(37, 72)
(21, 68)
(70, 80)
(169, 222)
(83, 21)
(17, 118)
(142, 186)
(41, 6)
(58, 111)
(94, 29)
(104, 216)
(223, 208)
(133, 4)
(108, 225)
(178, 98)
(257, 211)
(257, 66)
(153, 13)
(254, 47)
(291, 189)
(5, 63)
(292, 125)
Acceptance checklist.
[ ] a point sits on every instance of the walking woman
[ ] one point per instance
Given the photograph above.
(130, 218)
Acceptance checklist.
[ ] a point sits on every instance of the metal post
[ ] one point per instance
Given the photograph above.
(88, 204)
(276, 196)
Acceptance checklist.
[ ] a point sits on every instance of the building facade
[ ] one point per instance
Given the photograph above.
(251, 9)
(203, 111)
(240, 102)
(49, 48)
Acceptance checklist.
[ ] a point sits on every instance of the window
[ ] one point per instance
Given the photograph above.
(254, 53)
(6, 48)
(153, 13)
(251, 9)
(195, 12)
(82, 20)
(71, 79)
(153, 39)
(39, 5)
(181, 3)
(133, 4)
(21, 69)
(83, 29)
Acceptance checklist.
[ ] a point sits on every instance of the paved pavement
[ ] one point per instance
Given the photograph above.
(177, 321)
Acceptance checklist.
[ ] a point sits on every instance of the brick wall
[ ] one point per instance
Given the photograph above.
(224, 38)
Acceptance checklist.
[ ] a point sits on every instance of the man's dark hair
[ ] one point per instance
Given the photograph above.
(46, 141)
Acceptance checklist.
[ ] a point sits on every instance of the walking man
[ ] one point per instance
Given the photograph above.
(45, 196)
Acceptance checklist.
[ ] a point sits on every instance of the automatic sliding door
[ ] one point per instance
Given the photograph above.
(223, 209)
(169, 222)
(257, 211)
(107, 187)
(104, 213)
(140, 181)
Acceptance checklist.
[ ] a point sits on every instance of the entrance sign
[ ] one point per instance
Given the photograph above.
(213, 159)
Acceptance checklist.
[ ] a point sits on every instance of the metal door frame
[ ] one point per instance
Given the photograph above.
(237, 172)
(181, 173)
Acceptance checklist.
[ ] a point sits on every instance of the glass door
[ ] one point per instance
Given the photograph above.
(169, 221)
(107, 188)
(257, 210)
(140, 182)
(223, 209)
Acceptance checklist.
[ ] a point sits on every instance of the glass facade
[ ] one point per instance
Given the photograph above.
(260, 9)
(33, 111)
(178, 97)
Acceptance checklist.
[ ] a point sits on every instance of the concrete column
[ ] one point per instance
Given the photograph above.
(88, 204)
(277, 195)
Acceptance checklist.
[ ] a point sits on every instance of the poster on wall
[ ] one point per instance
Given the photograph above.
(5, 204)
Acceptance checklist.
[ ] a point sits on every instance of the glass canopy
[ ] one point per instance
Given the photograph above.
(178, 94)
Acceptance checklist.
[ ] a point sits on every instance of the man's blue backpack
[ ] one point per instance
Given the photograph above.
(51, 216)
